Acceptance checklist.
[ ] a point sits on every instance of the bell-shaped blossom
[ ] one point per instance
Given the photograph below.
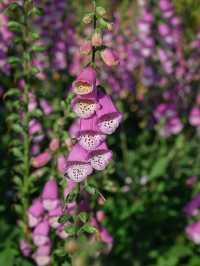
(25, 248)
(50, 195)
(85, 106)
(61, 164)
(35, 212)
(53, 217)
(194, 117)
(54, 144)
(70, 186)
(101, 157)
(46, 107)
(85, 48)
(97, 39)
(74, 129)
(191, 180)
(193, 232)
(42, 255)
(77, 165)
(85, 82)
(60, 231)
(109, 117)
(109, 57)
(106, 237)
(40, 233)
(100, 216)
(90, 137)
(192, 207)
(41, 160)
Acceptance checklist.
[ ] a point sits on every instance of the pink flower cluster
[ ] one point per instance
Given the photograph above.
(168, 119)
(43, 215)
(97, 118)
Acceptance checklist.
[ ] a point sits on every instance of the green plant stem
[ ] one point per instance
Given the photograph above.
(26, 146)
(94, 29)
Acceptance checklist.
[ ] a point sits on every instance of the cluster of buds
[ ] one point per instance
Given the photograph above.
(97, 114)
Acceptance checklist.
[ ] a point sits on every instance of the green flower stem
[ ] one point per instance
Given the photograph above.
(94, 28)
(27, 5)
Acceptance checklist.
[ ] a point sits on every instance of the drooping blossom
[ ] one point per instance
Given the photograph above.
(50, 195)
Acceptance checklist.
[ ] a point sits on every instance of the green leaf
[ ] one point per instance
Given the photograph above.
(17, 152)
(62, 219)
(88, 228)
(12, 92)
(90, 189)
(34, 70)
(83, 217)
(160, 167)
(35, 35)
(15, 26)
(7, 257)
(38, 48)
(35, 11)
(70, 229)
(13, 60)
(36, 113)
(17, 128)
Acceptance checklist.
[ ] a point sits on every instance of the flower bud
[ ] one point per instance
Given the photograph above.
(101, 11)
(97, 39)
(109, 57)
(85, 48)
(87, 19)
(41, 160)
(110, 26)
(54, 144)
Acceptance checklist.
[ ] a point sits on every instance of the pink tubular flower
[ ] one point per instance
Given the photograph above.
(97, 39)
(54, 216)
(40, 234)
(194, 117)
(86, 48)
(109, 57)
(101, 157)
(46, 107)
(74, 129)
(77, 165)
(54, 144)
(61, 231)
(85, 106)
(191, 180)
(109, 117)
(35, 213)
(192, 207)
(106, 237)
(41, 159)
(50, 195)
(85, 82)
(70, 186)
(25, 248)
(42, 255)
(34, 127)
(193, 232)
(100, 216)
(89, 136)
(61, 164)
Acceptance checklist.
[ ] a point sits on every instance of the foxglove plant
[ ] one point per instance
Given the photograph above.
(97, 114)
